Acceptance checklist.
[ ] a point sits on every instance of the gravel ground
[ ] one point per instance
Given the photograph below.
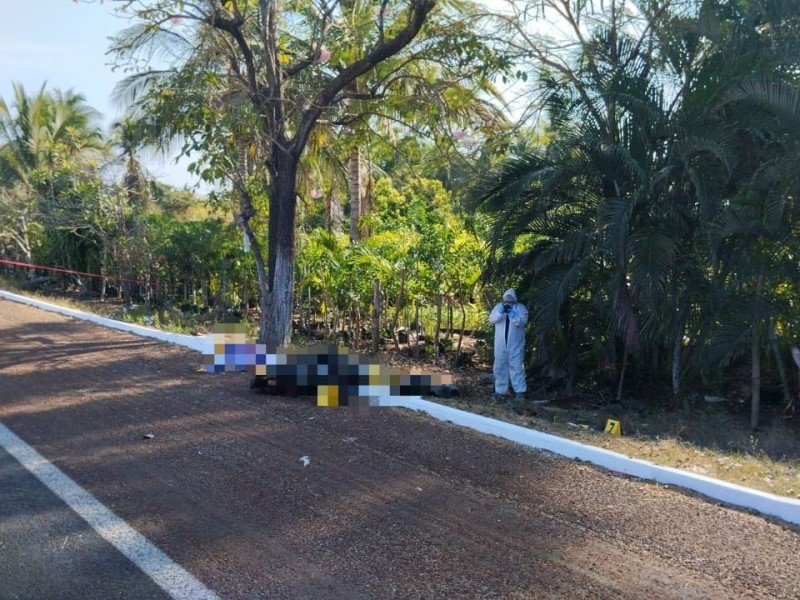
(392, 504)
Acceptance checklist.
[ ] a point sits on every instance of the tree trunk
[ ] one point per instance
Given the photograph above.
(788, 410)
(356, 194)
(677, 348)
(622, 371)
(438, 334)
(261, 271)
(251, 243)
(276, 318)
(571, 362)
(612, 369)
(755, 351)
(376, 315)
(367, 200)
(755, 382)
(418, 329)
(333, 212)
(773, 342)
(104, 271)
(463, 326)
(396, 316)
(449, 319)
(572, 370)
(22, 240)
(355, 313)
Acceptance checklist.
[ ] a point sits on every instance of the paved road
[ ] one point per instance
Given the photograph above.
(48, 552)
(392, 505)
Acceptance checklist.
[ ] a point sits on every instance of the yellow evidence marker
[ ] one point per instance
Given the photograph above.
(613, 427)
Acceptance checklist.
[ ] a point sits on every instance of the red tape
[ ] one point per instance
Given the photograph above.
(16, 263)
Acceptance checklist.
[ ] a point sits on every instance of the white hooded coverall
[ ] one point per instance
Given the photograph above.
(509, 345)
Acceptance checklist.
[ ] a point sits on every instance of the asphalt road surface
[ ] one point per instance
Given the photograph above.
(49, 552)
(391, 505)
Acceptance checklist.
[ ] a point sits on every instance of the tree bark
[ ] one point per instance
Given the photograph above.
(396, 316)
(449, 319)
(356, 194)
(773, 342)
(788, 410)
(438, 334)
(104, 271)
(676, 361)
(755, 403)
(463, 326)
(376, 315)
(247, 212)
(418, 329)
(276, 319)
(333, 212)
(755, 351)
(621, 382)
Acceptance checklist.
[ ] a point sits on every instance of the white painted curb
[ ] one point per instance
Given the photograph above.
(189, 341)
(729, 493)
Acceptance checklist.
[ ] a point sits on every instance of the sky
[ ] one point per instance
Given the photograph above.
(63, 43)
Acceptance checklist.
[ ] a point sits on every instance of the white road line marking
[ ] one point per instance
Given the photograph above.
(167, 574)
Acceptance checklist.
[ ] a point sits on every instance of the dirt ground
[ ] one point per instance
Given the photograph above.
(392, 505)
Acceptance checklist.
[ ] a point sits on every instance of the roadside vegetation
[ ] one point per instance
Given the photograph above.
(712, 439)
(641, 194)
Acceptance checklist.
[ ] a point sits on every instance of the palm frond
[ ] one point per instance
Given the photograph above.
(653, 253)
(776, 95)
(550, 290)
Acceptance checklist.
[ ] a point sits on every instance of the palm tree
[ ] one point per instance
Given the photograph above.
(595, 250)
(754, 114)
(610, 223)
(49, 142)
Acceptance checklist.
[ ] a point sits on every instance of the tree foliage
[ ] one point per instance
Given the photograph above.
(658, 215)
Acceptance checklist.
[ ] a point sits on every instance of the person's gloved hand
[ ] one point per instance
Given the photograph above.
(512, 313)
(506, 308)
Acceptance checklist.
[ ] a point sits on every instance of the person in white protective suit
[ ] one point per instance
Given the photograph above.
(509, 318)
